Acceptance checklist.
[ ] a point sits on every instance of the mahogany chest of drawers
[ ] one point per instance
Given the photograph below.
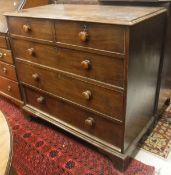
(9, 86)
(91, 70)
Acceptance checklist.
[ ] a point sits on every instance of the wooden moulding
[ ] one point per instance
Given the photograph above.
(120, 160)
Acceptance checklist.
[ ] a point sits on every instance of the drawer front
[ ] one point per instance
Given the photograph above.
(102, 68)
(3, 43)
(97, 36)
(94, 97)
(10, 88)
(6, 56)
(76, 117)
(29, 27)
(8, 71)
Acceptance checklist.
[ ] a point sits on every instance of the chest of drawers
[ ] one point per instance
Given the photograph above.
(9, 86)
(91, 70)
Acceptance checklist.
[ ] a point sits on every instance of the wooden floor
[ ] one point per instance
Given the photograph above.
(5, 145)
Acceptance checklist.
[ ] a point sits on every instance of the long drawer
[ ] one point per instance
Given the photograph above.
(6, 56)
(10, 88)
(102, 68)
(78, 118)
(30, 27)
(91, 35)
(8, 71)
(95, 97)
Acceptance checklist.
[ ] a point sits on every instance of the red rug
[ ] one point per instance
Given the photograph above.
(42, 149)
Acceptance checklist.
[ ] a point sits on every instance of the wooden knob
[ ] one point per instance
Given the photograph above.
(9, 88)
(1, 55)
(87, 95)
(90, 122)
(41, 99)
(31, 51)
(83, 36)
(5, 70)
(26, 28)
(35, 77)
(86, 64)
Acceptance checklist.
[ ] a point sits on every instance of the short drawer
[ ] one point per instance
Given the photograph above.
(76, 117)
(92, 96)
(6, 56)
(102, 68)
(3, 42)
(7, 71)
(91, 35)
(29, 27)
(10, 88)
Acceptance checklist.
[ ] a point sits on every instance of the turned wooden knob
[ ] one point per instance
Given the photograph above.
(35, 77)
(86, 64)
(87, 95)
(40, 99)
(83, 36)
(9, 88)
(31, 51)
(5, 70)
(90, 122)
(1, 55)
(26, 28)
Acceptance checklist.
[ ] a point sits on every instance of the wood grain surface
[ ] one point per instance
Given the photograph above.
(124, 15)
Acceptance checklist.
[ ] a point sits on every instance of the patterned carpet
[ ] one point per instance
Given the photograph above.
(159, 140)
(42, 149)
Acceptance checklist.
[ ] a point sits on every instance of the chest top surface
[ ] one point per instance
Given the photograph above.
(123, 15)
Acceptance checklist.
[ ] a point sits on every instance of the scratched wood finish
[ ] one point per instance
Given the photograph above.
(102, 100)
(98, 68)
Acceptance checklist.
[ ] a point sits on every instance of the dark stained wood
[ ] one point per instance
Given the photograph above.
(31, 28)
(9, 87)
(75, 117)
(8, 80)
(6, 56)
(8, 71)
(100, 36)
(72, 89)
(116, 94)
(147, 49)
(99, 67)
